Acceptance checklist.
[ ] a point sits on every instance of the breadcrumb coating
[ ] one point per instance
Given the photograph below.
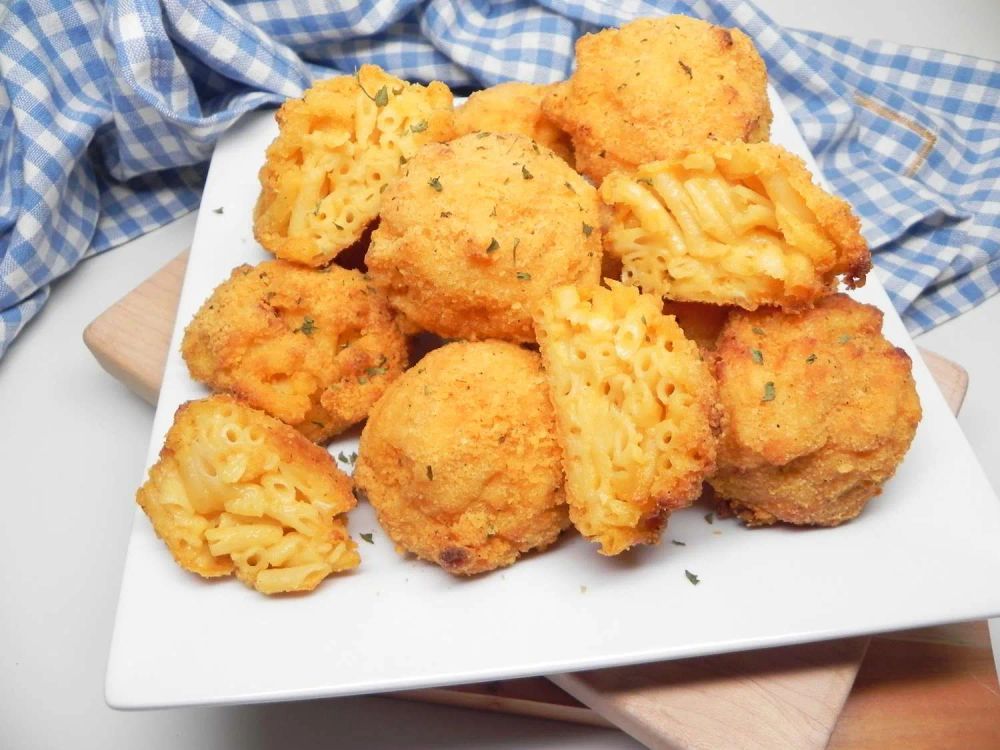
(235, 490)
(474, 232)
(313, 348)
(656, 88)
(733, 224)
(819, 411)
(635, 407)
(460, 459)
(516, 108)
(337, 148)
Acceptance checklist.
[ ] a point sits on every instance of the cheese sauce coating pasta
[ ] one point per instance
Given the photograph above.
(739, 224)
(237, 491)
(635, 408)
(337, 148)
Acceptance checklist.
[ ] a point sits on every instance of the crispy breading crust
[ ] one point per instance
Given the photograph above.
(635, 408)
(336, 149)
(215, 470)
(460, 460)
(842, 409)
(513, 107)
(735, 223)
(474, 232)
(313, 348)
(656, 88)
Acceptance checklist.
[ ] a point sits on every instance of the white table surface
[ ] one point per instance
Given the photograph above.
(72, 444)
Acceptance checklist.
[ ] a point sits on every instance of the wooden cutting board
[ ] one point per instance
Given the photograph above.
(777, 698)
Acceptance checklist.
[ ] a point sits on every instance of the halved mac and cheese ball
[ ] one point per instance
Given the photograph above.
(460, 458)
(474, 232)
(337, 148)
(656, 88)
(635, 408)
(736, 224)
(819, 411)
(513, 107)
(237, 490)
(313, 348)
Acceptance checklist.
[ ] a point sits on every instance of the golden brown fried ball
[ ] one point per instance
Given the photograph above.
(733, 224)
(513, 107)
(819, 409)
(237, 490)
(313, 348)
(460, 459)
(336, 149)
(656, 88)
(475, 231)
(636, 410)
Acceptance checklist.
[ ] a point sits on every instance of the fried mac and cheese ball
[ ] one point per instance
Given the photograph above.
(819, 411)
(237, 491)
(336, 149)
(474, 233)
(740, 224)
(513, 107)
(635, 408)
(656, 88)
(313, 348)
(460, 459)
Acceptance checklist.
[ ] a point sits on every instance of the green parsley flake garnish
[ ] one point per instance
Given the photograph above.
(810, 359)
(218, 210)
(844, 339)
(430, 473)
(435, 182)
(523, 276)
(757, 356)
(695, 580)
(587, 229)
(418, 127)
(709, 517)
(308, 327)
(382, 97)
(526, 174)
(768, 391)
(758, 330)
(378, 369)
(678, 543)
(342, 457)
(494, 246)
(352, 458)
(367, 537)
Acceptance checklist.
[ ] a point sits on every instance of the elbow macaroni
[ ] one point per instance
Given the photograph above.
(738, 224)
(635, 409)
(237, 491)
(336, 150)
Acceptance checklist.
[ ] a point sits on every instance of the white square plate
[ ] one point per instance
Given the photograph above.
(926, 551)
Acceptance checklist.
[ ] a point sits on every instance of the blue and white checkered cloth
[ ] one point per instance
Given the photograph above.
(109, 111)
